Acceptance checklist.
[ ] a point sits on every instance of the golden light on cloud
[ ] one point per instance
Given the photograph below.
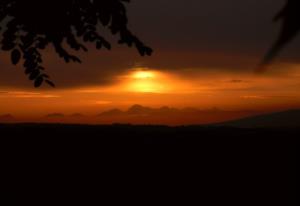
(254, 97)
(28, 95)
(156, 88)
(145, 87)
(143, 74)
(146, 81)
(103, 102)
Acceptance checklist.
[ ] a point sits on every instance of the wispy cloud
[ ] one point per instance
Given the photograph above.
(262, 97)
(22, 94)
(236, 81)
(103, 102)
(36, 96)
(258, 97)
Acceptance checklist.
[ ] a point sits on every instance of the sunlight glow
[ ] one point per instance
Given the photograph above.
(145, 81)
(146, 87)
(143, 75)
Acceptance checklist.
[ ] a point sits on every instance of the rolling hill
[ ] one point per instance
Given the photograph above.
(290, 118)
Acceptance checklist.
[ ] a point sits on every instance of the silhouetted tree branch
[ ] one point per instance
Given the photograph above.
(289, 16)
(30, 26)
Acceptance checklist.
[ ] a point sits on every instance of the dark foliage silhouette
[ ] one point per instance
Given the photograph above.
(30, 26)
(289, 16)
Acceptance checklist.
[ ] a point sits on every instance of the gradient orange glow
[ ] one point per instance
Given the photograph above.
(156, 88)
(145, 81)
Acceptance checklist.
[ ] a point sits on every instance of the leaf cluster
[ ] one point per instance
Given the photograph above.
(31, 26)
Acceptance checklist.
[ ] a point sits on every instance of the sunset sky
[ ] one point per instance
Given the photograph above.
(205, 56)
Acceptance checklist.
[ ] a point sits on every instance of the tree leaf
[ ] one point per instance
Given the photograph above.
(106, 45)
(15, 56)
(34, 74)
(38, 81)
(27, 36)
(50, 83)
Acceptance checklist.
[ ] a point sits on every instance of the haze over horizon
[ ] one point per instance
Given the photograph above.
(139, 114)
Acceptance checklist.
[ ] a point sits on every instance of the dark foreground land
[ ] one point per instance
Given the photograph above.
(221, 164)
(147, 134)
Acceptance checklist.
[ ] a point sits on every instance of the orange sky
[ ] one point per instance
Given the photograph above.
(270, 91)
(204, 57)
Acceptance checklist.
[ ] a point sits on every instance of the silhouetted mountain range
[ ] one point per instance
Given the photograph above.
(55, 115)
(290, 118)
(138, 114)
(112, 112)
(165, 110)
(140, 110)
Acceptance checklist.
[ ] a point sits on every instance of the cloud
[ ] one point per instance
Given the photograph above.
(256, 97)
(263, 97)
(236, 81)
(206, 35)
(103, 102)
(28, 96)
(231, 25)
(31, 95)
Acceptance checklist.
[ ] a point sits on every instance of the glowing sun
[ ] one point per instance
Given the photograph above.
(146, 81)
(143, 75)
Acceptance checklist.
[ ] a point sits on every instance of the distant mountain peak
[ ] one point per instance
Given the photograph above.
(139, 109)
(168, 115)
(136, 106)
(6, 117)
(112, 112)
(55, 115)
